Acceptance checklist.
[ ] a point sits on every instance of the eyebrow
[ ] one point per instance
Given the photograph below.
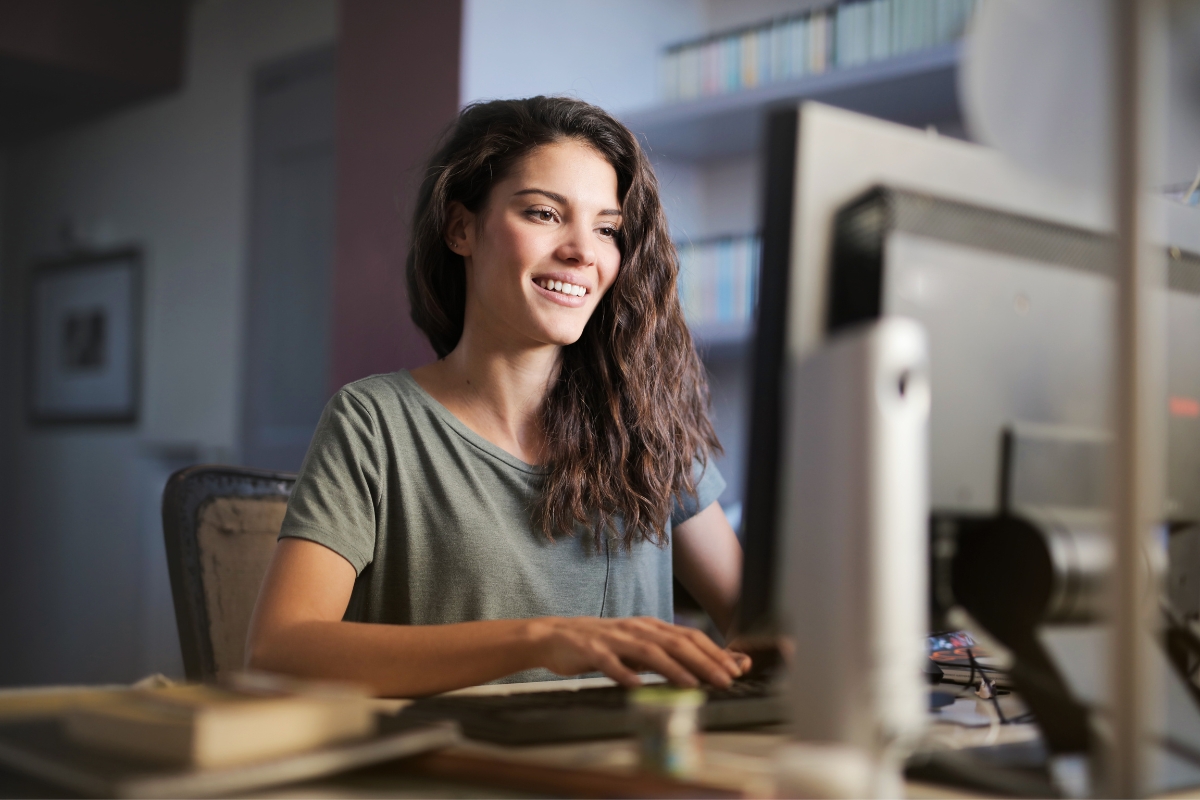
(558, 198)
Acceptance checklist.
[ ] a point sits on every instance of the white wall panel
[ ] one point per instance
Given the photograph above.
(81, 593)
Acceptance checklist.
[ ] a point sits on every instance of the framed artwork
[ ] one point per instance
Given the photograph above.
(85, 339)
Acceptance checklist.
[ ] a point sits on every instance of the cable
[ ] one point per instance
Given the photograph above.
(993, 694)
(971, 660)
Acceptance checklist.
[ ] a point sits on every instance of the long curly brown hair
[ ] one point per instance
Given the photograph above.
(626, 416)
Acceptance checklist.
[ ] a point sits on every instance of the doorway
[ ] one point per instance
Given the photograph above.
(291, 257)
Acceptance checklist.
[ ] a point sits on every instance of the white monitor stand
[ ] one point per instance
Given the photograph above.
(853, 581)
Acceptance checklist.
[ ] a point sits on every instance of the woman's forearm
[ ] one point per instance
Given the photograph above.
(297, 629)
(399, 660)
(708, 562)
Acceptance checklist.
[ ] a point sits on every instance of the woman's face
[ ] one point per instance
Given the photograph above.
(543, 251)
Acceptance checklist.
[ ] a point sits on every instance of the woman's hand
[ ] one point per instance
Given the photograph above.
(298, 630)
(621, 647)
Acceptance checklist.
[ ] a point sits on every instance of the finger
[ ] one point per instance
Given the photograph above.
(642, 627)
(712, 653)
(744, 661)
(656, 658)
(716, 652)
(607, 662)
(718, 672)
(700, 654)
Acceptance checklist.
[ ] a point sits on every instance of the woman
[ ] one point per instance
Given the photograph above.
(515, 509)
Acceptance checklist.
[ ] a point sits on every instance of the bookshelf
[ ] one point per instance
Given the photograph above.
(918, 88)
(722, 339)
(704, 139)
(718, 286)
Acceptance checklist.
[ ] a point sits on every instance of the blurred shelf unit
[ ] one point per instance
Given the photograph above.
(894, 59)
(844, 35)
(718, 288)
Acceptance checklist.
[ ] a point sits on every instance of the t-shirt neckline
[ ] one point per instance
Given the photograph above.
(461, 428)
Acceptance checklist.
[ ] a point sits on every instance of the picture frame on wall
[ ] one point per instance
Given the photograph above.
(85, 339)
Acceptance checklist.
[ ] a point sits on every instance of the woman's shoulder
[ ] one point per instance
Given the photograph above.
(382, 396)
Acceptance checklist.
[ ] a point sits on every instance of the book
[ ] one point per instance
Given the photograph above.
(838, 35)
(203, 727)
(41, 748)
(718, 280)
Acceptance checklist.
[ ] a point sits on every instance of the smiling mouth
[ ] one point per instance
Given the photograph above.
(569, 289)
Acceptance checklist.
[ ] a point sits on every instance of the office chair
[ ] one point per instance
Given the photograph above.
(220, 526)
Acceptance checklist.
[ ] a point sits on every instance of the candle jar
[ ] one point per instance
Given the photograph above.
(668, 729)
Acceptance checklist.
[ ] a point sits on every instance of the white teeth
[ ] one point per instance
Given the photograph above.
(562, 287)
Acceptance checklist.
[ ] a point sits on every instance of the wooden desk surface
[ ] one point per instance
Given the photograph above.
(742, 761)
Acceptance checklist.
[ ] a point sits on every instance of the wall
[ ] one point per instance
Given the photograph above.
(83, 592)
(398, 88)
(605, 54)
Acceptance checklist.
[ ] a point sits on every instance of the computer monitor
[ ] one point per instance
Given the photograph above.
(1012, 277)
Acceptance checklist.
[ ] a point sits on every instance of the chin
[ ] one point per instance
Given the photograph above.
(562, 338)
(563, 341)
(559, 332)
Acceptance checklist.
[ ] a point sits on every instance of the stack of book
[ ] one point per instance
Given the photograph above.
(193, 740)
(842, 35)
(718, 280)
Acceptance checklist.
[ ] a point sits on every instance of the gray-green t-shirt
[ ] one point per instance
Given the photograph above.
(437, 521)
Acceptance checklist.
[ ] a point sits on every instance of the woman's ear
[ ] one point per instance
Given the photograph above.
(460, 227)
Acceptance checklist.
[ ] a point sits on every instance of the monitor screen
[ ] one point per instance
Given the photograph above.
(1014, 290)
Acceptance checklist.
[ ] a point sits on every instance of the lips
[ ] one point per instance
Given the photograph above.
(567, 294)
(563, 287)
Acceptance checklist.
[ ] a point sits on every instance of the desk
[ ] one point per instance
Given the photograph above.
(741, 761)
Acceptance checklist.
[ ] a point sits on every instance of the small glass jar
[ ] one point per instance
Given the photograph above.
(668, 728)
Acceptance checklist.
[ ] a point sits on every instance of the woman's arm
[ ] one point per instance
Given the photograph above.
(297, 629)
(708, 562)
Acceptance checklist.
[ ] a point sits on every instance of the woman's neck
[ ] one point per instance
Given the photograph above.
(496, 391)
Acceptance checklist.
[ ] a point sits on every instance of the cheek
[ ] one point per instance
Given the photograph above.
(609, 267)
(518, 246)
(504, 251)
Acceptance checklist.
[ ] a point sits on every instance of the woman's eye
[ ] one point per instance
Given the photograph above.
(609, 232)
(542, 214)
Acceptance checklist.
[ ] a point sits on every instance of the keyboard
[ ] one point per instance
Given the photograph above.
(561, 715)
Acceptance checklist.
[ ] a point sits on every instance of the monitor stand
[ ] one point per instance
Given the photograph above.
(1033, 581)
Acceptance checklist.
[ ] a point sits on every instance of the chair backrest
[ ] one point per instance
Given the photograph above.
(220, 525)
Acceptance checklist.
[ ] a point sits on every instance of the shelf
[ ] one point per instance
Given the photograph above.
(914, 89)
(723, 340)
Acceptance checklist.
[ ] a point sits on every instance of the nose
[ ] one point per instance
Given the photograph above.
(577, 247)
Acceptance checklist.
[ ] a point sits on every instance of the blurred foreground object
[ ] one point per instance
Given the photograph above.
(855, 551)
(1034, 84)
(1078, 91)
(200, 741)
(197, 726)
(668, 729)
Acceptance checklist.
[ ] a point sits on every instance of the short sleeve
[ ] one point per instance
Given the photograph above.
(709, 485)
(336, 495)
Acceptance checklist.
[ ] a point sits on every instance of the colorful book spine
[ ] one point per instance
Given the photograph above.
(718, 280)
(841, 35)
